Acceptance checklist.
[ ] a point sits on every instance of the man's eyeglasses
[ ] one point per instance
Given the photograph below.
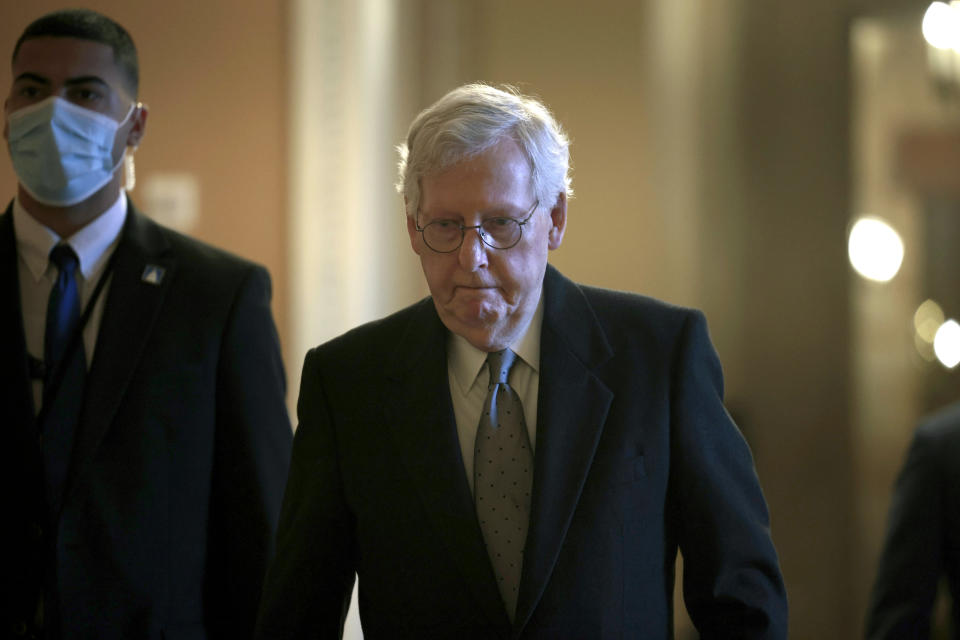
(446, 236)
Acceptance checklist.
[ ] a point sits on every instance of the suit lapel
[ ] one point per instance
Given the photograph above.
(16, 394)
(129, 314)
(423, 426)
(572, 407)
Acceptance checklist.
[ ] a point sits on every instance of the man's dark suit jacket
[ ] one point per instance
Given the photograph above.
(923, 536)
(635, 456)
(174, 487)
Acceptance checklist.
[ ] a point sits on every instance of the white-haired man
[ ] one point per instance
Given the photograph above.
(516, 456)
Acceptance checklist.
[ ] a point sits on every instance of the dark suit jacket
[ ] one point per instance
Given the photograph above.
(923, 536)
(178, 465)
(635, 456)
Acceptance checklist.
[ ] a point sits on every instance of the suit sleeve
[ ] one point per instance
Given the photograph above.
(309, 584)
(251, 458)
(732, 584)
(912, 559)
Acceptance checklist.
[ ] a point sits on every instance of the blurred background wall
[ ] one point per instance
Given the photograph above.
(720, 150)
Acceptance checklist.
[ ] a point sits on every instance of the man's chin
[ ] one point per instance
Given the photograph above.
(484, 340)
(479, 328)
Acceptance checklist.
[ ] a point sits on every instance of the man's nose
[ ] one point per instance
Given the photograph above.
(473, 251)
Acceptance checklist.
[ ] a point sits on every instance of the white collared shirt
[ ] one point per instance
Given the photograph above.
(93, 244)
(468, 384)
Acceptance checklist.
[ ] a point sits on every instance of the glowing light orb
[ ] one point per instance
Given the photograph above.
(941, 25)
(875, 249)
(946, 344)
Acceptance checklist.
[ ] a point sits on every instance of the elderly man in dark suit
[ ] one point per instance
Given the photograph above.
(517, 456)
(146, 439)
(923, 537)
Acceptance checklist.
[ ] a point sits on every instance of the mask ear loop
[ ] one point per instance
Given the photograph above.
(129, 168)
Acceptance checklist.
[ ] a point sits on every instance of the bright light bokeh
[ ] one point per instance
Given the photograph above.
(875, 249)
(946, 344)
(927, 319)
(941, 25)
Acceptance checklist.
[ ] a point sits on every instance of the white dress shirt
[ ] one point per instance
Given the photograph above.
(93, 244)
(469, 378)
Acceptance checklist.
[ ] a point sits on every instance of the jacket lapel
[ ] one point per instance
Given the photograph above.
(16, 394)
(572, 407)
(130, 311)
(423, 425)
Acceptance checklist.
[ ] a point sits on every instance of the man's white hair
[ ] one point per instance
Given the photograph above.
(471, 119)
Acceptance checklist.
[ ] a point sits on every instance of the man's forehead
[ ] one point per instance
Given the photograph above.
(496, 179)
(59, 59)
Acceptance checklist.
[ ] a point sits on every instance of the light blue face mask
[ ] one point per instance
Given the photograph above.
(62, 153)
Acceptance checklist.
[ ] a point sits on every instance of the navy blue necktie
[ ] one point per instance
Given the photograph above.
(66, 370)
(63, 309)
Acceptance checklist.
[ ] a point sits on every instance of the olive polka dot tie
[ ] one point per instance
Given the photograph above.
(503, 477)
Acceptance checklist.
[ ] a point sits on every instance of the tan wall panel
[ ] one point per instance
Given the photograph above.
(583, 60)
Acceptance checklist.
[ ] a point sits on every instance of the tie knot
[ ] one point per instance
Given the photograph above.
(500, 363)
(64, 257)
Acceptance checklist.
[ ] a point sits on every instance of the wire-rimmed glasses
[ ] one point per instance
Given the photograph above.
(500, 232)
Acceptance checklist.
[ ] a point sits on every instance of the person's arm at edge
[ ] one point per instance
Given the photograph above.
(911, 563)
(251, 459)
(732, 583)
(309, 584)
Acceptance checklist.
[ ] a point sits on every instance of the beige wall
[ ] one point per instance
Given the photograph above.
(213, 75)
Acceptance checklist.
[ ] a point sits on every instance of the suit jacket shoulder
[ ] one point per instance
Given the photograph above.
(627, 315)
(210, 267)
(393, 342)
(610, 329)
(942, 427)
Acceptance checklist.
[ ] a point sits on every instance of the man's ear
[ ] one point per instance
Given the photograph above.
(137, 131)
(558, 222)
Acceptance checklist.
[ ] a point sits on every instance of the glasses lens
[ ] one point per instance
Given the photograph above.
(501, 233)
(442, 235)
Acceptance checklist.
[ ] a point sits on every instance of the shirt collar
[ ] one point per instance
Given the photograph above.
(466, 361)
(34, 241)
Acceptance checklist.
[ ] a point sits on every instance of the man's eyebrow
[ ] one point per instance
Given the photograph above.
(86, 80)
(33, 77)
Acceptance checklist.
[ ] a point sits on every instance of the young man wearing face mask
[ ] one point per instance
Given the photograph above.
(145, 436)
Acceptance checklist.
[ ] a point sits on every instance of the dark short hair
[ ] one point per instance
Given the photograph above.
(88, 25)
